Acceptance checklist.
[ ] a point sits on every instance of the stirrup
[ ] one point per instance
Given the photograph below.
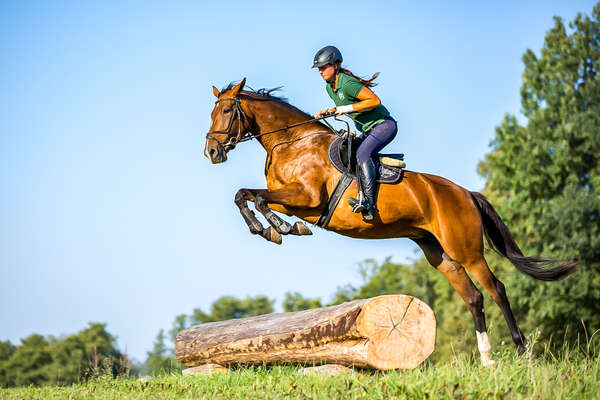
(358, 206)
(357, 203)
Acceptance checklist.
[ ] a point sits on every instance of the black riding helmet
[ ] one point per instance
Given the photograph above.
(327, 55)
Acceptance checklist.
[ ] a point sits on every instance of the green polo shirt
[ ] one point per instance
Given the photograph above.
(347, 89)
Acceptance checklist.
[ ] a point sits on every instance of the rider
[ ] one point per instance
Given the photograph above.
(352, 95)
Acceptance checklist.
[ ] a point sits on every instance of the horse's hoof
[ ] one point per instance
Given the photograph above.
(271, 235)
(300, 229)
(487, 362)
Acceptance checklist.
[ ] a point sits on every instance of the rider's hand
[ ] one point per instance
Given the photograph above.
(322, 113)
(341, 110)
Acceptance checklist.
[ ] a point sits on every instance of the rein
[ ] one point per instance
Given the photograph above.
(232, 141)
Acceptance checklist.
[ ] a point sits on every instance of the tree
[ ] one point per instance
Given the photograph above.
(160, 358)
(6, 352)
(179, 324)
(89, 353)
(29, 362)
(229, 307)
(295, 302)
(61, 361)
(544, 177)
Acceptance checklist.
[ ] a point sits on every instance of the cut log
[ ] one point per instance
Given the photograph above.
(385, 332)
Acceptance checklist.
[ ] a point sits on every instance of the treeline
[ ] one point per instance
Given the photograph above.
(38, 360)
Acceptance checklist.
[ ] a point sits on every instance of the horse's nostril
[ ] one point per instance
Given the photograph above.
(212, 152)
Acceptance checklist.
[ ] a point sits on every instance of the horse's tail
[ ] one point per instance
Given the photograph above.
(500, 240)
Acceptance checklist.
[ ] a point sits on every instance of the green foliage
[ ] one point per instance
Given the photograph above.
(228, 307)
(61, 361)
(161, 358)
(179, 324)
(544, 177)
(6, 352)
(343, 294)
(295, 302)
(28, 364)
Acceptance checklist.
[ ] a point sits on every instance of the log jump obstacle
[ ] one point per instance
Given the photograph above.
(384, 332)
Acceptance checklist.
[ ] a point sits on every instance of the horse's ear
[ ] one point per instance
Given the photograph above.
(237, 88)
(216, 92)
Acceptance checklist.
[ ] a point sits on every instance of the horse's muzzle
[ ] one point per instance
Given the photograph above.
(215, 154)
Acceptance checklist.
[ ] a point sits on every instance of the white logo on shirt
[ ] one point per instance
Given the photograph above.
(341, 95)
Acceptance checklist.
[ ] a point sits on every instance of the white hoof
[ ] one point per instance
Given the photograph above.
(487, 362)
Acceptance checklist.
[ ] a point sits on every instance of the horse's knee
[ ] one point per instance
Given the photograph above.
(260, 202)
(239, 198)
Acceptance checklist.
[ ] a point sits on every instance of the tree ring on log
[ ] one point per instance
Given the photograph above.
(401, 331)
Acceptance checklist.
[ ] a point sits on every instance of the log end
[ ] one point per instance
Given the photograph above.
(400, 329)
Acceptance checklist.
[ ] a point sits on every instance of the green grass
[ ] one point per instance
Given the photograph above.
(570, 377)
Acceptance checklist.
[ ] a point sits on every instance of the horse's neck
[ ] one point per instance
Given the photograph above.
(270, 116)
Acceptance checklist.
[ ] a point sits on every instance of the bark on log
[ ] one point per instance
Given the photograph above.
(385, 332)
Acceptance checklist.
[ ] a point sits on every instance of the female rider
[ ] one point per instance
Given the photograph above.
(352, 96)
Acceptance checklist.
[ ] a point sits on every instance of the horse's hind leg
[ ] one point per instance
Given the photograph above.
(495, 288)
(463, 285)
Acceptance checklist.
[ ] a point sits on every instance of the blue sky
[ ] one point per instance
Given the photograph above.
(111, 213)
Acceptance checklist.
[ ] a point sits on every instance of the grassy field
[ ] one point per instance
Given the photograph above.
(548, 377)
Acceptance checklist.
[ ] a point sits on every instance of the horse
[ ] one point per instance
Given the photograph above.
(447, 221)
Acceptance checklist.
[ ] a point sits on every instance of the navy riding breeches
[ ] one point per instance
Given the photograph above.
(376, 139)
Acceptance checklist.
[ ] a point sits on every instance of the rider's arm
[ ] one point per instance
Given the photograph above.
(368, 100)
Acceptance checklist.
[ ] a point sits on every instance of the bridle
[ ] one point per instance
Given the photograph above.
(239, 113)
(232, 141)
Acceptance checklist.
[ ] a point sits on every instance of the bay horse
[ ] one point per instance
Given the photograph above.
(445, 220)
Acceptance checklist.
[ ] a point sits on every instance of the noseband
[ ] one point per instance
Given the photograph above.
(238, 113)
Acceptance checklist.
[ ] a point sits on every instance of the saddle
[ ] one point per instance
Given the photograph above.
(342, 154)
(388, 166)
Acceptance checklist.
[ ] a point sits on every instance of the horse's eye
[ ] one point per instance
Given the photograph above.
(227, 110)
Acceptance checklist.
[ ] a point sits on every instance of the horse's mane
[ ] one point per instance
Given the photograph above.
(264, 94)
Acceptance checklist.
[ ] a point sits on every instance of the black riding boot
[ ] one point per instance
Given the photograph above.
(367, 180)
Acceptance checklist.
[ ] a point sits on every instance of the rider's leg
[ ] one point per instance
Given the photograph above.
(377, 139)
(368, 176)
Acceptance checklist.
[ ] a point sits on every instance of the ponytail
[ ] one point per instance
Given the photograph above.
(367, 83)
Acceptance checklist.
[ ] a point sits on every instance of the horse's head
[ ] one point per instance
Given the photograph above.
(228, 126)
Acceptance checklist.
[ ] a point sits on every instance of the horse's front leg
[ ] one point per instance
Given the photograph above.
(241, 198)
(294, 196)
(278, 226)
